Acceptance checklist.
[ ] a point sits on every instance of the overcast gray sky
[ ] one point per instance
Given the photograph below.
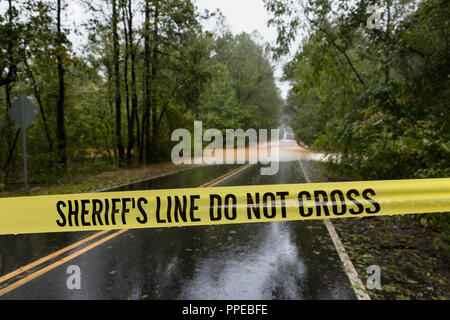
(242, 15)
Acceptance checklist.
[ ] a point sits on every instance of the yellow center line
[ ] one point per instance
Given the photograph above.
(40, 272)
(49, 257)
(224, 177)
(44, 270)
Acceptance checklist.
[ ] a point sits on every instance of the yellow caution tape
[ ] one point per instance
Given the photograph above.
(221, 205)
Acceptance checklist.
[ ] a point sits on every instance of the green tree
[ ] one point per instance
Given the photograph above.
(377, 97)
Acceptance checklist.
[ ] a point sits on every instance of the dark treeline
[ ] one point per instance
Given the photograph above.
(375, 96)
(145, 69)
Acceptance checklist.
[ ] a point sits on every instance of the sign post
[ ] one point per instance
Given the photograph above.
(23, 112)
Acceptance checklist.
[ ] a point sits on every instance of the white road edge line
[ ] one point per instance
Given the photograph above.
(349, 269)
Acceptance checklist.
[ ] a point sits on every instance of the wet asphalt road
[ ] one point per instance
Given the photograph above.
(277, 260)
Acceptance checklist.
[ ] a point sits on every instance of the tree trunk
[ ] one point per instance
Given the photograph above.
(388, 35)
(10, 157)
(117, 96)
(8, 82)
(154, 100)
(147, 90)
(132, 51)
(60, 126)
(126, 86)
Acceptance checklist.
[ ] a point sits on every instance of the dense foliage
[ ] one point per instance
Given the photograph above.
(376, 98)
(136, 71)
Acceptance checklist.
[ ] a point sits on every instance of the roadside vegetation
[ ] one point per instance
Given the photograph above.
(411, 266)
(92, 181)
(377, 96)
(136, 71)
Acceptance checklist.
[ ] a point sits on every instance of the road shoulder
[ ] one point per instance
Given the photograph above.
(411, 266)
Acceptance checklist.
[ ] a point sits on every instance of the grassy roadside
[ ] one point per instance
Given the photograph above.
(99, 181)
(411, 266)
